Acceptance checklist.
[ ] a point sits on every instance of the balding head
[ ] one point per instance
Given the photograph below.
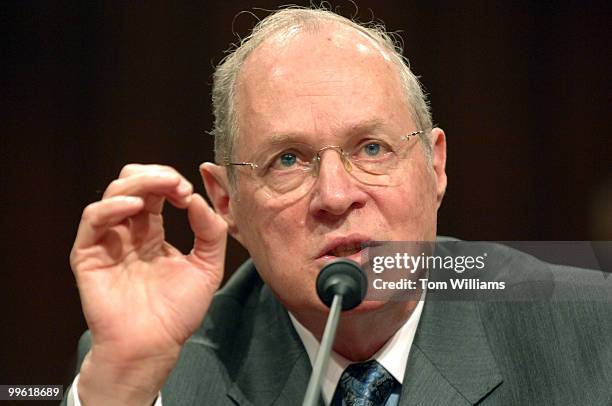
(283, 81)
(280, 31)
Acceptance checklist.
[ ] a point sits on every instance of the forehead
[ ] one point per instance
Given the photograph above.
(317, 82)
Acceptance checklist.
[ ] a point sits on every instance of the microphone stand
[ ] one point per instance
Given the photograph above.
(329, 335)
(341, 285)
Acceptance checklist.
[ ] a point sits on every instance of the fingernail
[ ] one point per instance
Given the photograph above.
(184, 187)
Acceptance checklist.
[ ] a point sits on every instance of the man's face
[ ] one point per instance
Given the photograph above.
(318, 88)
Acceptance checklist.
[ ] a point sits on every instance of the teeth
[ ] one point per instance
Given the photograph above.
(346, 250)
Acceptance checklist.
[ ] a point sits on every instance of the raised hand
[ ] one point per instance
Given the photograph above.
(141, 297)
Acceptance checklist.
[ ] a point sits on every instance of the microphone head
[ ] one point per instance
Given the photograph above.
(344, 277)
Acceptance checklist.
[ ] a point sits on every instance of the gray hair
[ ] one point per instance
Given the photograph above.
(224, 80)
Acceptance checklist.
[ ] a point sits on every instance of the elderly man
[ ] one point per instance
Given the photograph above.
(323, 142)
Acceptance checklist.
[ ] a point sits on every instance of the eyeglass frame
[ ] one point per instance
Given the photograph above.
(317, 153)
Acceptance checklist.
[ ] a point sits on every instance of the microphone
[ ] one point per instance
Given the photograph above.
(341, 284)
(342, 277)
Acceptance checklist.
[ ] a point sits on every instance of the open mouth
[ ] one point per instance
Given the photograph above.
(349, 246)
(346, 250)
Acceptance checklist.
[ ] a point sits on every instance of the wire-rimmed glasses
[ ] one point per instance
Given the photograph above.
(293, 167)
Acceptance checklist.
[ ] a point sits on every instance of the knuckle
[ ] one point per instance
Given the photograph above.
(165, 169)
(147, 171)
(73, 259)
(129, 169)
(90, 213)
(112, 187)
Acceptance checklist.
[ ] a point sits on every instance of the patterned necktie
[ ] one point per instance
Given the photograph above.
(365, 384)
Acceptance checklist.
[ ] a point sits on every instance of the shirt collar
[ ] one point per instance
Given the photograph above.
(393, 355)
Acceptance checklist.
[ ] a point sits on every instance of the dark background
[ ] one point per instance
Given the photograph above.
(521, 88)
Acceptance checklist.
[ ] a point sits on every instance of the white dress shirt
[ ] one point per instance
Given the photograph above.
(73, 395)
(393, 355)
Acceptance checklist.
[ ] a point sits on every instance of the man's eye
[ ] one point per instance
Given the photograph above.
(287, 160)
(372, 149)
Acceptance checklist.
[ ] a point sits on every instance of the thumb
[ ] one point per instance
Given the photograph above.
(210, 232)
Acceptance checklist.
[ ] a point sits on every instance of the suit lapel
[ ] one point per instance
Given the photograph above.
(450, 362)
(275, 368)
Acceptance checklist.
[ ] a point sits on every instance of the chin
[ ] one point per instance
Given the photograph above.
(317, 307)
(366, 306)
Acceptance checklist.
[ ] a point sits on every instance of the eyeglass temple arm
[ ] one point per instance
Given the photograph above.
(251, 164)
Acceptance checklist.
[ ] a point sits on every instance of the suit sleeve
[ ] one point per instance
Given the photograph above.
(71, 396)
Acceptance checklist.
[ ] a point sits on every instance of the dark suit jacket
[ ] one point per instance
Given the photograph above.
(464, 353)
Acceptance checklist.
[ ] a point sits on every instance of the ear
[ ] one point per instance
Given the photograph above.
(438, 146)
(217, 188)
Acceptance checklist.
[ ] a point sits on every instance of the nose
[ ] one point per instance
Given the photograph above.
(335, 190)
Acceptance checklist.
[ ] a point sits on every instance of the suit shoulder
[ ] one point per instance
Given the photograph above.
(230, 306)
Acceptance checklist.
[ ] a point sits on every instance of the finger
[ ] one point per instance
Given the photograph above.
(154, 203)
(98, 217)
(154, 185)
(210, 232)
